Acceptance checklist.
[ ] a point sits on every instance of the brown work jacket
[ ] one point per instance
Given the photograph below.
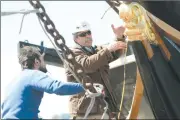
(96, 65)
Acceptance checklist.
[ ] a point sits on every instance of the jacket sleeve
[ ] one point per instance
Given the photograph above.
(116, 54)
(95, 61)
(42, 82)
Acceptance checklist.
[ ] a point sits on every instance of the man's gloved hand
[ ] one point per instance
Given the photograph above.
(118, 31)
(119, 45)
(90, 87)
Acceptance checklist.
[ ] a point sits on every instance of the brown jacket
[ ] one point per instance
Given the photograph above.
(96, 66)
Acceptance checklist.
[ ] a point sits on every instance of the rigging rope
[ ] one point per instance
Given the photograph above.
(125, 52)
(23, 11)
(99, 88)
(124, 81)
(22, 23)
(137, 24)
(106, 12)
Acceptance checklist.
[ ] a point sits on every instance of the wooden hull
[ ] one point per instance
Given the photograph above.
(159, 65)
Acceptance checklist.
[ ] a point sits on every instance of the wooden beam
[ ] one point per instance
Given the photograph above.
(137, 97)
(170, 31)
(161, 43)
(148, 48)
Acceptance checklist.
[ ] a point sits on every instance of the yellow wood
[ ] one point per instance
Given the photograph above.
(161, 44)
(148, 49)
(171, 32)
(137, 97)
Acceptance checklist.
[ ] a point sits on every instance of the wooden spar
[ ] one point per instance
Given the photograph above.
(148, 49)
(138, 93)
(170, 31)
(160, 76)
(163, 47)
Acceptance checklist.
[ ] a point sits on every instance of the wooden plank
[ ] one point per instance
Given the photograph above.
(170, 31)
(148, 49)
(137, 97)
(150, 81)
(161, 43)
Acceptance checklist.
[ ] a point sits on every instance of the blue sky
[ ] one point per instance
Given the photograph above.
(64, 14)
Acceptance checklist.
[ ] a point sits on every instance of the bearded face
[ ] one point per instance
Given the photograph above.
(84, 38)
(42, 65)
(43, 69)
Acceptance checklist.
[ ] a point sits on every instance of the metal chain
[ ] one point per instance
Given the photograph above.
(115, 3)
(67, 55)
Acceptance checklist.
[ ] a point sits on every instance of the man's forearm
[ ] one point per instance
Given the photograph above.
(122, 38)
(70, 88)
(44, 83)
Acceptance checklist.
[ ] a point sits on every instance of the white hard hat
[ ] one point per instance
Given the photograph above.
(82, 26)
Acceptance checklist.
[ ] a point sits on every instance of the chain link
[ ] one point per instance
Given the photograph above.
(67, 55)
(115, 3)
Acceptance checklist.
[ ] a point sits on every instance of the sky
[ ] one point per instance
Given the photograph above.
(64, 14)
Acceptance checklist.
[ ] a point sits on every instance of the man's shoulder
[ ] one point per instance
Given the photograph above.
(32, 73)
(76, 50)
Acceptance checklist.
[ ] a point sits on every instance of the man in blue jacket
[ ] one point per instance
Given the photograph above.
(26, 91)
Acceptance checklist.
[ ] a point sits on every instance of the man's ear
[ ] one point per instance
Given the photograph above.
(36, 63)
(76, 39)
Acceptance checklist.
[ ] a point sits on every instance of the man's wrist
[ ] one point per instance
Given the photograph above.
(122, 38)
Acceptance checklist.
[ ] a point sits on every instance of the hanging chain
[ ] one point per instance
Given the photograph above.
(67, 55)
(115, 2)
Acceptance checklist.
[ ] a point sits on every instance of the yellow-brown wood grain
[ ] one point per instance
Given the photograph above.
(170, 31)
(148, 49)
(137, 97)
(163, 47)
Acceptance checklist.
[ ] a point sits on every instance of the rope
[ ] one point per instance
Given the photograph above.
(139, 19)
(93, 98)
(105, 110)
(124, 82)
(22, 23)
(105, 12)
(99, 88)
(23, 11)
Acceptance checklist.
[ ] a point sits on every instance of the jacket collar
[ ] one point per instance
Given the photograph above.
(89, 50)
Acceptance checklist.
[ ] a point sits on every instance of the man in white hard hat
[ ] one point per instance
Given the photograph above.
(95, 62)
